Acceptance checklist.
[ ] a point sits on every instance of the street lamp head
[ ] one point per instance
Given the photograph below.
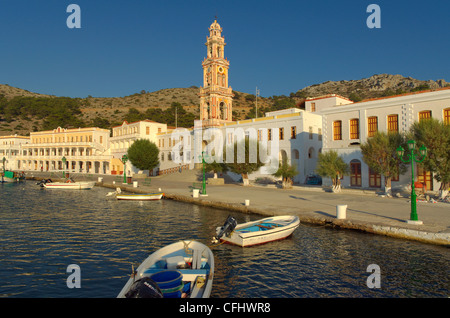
(423, 150)
(411, 144)
(400, 151)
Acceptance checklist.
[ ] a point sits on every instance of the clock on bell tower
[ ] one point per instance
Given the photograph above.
(215, 96)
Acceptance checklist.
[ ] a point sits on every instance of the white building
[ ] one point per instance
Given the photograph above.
(175, 142)
(299, 135)
(10, 149)
(125, 135)
(317, 104)
(347, 126)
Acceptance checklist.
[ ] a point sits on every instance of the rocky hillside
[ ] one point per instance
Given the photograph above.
(112, 111)
(375, 86)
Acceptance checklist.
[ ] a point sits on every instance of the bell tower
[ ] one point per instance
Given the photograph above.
(215, 96)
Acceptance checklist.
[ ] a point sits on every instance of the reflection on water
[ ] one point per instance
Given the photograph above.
(44, 231)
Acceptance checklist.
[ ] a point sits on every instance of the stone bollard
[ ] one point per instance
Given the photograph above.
(135, 184)
(247, 202)
(341, 211)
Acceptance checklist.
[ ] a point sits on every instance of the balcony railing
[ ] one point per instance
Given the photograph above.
(68, 157)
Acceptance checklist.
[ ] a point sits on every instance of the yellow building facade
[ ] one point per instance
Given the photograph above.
(83, 150)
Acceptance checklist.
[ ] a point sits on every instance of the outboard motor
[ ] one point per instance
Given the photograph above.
(144, 288)
(43, 181)
(226, 229)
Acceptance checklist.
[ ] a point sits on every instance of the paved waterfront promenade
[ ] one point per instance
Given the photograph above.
(366, 211)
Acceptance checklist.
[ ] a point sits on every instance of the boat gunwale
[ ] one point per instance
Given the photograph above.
(173, 249)
(268, 232)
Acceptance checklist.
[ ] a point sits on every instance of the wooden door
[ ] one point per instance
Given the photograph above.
(355, 173)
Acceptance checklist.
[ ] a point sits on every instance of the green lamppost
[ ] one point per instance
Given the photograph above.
(204, 178)
(411, 157)
(64, 166)
(124, 160)
(4, 160)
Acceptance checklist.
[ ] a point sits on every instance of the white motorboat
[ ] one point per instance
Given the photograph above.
(136, 196)
(256, 232)
(70, 185)
(182, 269)
(140, 196)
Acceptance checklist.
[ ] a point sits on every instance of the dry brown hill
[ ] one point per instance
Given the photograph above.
(114, 109)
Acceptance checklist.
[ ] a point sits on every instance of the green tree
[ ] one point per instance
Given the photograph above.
(133, 115)
(282, 102)
(3, 103)
(245, 158)
(252, 112)
(379, 153)
(355, 97)
(287, 172)
(55, 111)
(101, 122)
(177, 116)
(435, 135)
(144, 154)
(331, 165)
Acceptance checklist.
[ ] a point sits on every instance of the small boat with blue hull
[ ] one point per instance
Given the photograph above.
(180, 270)
(256, 232)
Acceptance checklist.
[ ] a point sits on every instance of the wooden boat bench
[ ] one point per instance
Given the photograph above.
(270, 227)
(264, 226)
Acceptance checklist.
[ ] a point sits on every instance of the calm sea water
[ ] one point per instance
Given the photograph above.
(44, 231)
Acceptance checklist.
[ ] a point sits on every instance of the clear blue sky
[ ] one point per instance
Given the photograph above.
(280, 46)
